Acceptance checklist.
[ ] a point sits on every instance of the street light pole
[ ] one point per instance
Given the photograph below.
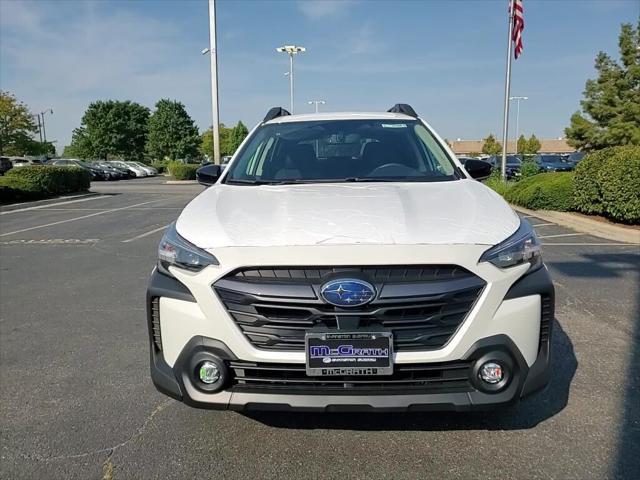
(316, 102)
(291, 50)
(44, 130)
(517, 99)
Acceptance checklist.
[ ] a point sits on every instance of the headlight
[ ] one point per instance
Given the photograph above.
(175, 250)
(521, 247)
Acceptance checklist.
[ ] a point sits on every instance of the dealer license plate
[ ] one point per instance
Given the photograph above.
(349, 353)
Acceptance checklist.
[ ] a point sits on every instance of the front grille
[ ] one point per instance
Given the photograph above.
(422, 305)
(155, 323)
(406, 378)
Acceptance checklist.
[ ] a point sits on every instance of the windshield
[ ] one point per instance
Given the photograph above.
(551, 158)
(342, 150)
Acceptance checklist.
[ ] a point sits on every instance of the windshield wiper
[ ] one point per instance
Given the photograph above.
(373, 179)
(243, 181)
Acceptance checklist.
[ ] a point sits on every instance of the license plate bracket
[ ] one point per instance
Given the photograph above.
(349, 353)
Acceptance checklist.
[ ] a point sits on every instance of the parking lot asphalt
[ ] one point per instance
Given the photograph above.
(77, 401)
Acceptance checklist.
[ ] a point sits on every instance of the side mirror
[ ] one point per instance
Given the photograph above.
(208, 175)
(478, 169)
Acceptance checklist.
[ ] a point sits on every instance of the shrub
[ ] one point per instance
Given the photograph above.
(160, 165)
(529, 168)
(33, 182)
(619, 183)
(495, 182)
(183, 171)
(608, 183)
(545, 191)
(587, 194)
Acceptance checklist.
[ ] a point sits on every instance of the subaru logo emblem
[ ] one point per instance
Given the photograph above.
(348, 292)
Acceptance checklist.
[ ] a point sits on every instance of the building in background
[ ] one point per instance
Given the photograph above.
(552, 145)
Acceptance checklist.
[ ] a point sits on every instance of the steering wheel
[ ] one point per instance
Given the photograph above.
(393, 170)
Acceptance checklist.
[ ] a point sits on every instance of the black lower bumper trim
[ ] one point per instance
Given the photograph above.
(177, 383)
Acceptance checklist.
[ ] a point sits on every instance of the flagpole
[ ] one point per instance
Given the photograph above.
(507, 93)
(215, 109)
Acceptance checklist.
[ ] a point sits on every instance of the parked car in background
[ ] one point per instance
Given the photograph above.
(574, 158)
(148, 170)
(96, 173)
(552, 163)
(137, 171)
(23, 162)
(514, 162)
(5, 165)
(118, 173)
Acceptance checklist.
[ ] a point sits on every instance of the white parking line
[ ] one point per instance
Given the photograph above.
(99, 209)
(78, 218)
(541, 224)
(39, 207)
(591, 244)
(146, 234)
(563, 235)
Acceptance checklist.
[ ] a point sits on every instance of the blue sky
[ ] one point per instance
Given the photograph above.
(445, 58)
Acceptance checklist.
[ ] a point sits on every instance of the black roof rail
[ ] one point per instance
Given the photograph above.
(403, 108)
(275, 112)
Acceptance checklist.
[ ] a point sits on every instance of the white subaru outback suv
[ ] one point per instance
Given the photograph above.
(347, 261)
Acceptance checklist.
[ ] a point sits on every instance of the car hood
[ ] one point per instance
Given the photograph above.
(437, 213)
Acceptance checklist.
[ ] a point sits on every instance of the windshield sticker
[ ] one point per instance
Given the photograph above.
(393, 125)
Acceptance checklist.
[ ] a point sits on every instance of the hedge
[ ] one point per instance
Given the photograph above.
(587, 194)
(608, 183)
(545, 191)
(183, 171)
(35, 182)
(160, 165)
(495, 182)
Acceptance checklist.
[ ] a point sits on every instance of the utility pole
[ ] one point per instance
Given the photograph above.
(316, 103)
(39, 127)
(43, 136)
(215, 110)
(517, 99)
(291, 50)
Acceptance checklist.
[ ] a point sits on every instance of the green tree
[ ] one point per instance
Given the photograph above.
(610, 113)
(172, 133)
(521, 146)
(226, 148)
(79, 147)
(16, 126)
(533, 145)
(240, 131)
(112, 128)
(491, 146)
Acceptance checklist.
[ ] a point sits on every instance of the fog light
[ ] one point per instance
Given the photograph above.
(209, 373)
(491, 372)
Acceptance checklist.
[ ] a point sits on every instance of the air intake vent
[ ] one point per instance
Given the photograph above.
(155, 323)
(546, 319)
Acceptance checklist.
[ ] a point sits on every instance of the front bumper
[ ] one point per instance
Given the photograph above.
(177, 380)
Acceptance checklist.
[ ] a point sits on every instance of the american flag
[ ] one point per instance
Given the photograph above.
(518, 26)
